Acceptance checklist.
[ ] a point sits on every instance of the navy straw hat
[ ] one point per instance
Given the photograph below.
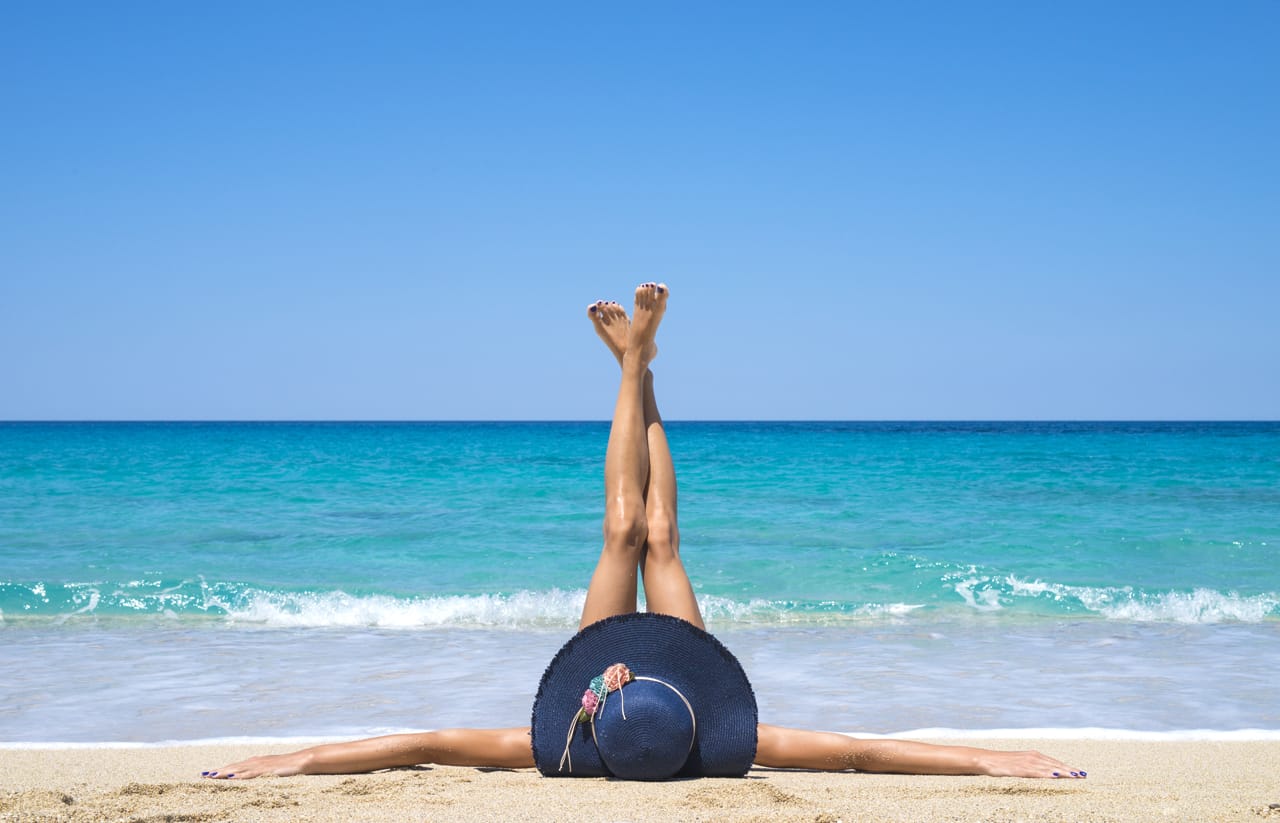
(679, 705)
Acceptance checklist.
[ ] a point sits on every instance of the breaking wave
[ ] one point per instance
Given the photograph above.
(962, 593)
(1200, 605)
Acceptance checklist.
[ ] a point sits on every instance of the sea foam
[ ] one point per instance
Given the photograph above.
(558, 608)
(555, 608)
(994, 593)
(1126, 603)
(974, 593)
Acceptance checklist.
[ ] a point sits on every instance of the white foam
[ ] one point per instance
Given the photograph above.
(560, 608)
(94, 598)
(984, 600)
(1125, 603)
(888, 609)
(555, 608)
(775, 613)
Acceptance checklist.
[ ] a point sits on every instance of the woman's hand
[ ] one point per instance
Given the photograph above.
(281, 765)
(1025, 764)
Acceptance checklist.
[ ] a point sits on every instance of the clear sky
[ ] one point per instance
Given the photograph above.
(890, 210)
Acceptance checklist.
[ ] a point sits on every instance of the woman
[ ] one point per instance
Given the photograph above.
(641, 540)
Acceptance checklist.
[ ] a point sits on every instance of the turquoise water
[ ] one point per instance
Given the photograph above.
(1062, 549)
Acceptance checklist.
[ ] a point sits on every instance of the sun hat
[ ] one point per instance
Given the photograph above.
(644, 697)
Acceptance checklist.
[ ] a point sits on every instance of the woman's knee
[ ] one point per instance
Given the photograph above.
(663, 539)
(626, 530)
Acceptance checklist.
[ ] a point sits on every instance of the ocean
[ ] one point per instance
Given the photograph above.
(195, 581)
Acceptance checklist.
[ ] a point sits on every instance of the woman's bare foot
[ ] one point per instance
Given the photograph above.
(612, 324)
(651, 304)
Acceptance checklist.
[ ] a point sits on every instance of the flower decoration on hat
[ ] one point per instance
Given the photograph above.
(614, 678)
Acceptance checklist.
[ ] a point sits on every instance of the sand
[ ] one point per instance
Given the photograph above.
(1128, 780)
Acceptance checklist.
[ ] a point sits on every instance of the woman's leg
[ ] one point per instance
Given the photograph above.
(626, 468)
(783, 748)
(666, 585)
(667, 589)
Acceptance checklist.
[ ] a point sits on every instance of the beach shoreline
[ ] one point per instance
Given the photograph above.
(1129, 780)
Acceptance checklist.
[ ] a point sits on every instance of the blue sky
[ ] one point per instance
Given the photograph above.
(313, 210)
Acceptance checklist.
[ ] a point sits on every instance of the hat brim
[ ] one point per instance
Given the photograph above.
(653, 645)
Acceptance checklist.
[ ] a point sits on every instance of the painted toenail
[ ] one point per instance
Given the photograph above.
(661, 290)
(592, 309)
(1056, 774)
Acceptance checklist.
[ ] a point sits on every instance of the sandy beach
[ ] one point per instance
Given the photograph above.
(1128, 781)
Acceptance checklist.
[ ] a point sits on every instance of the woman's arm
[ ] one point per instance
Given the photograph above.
(827, 751)
(499, 748)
